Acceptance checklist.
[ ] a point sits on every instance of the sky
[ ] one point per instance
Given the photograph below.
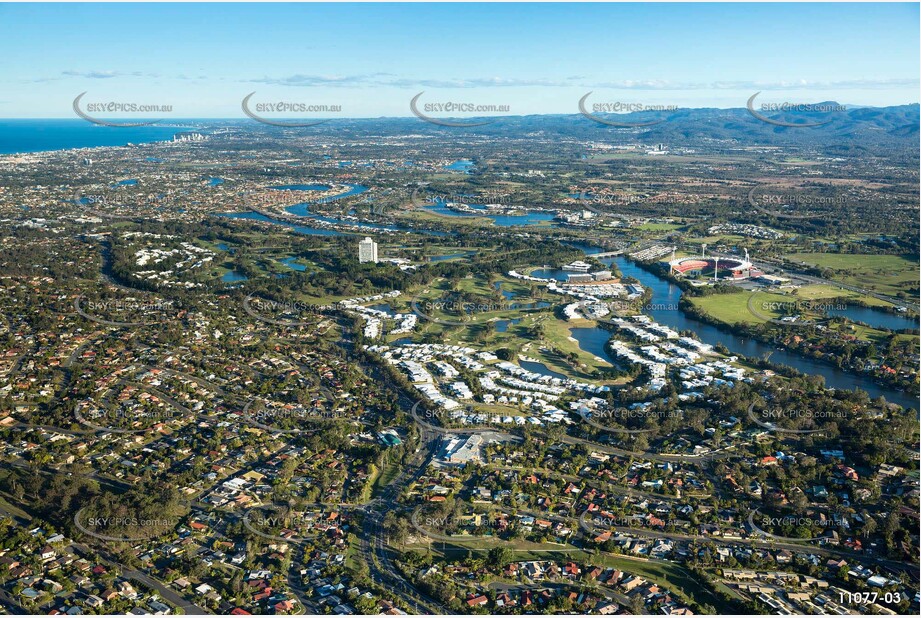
(201, 60)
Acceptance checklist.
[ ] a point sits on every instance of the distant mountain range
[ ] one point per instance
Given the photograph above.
(853, 128)
(853, 131)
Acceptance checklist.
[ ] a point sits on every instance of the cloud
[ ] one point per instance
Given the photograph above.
(800, 84)
(322, 80)
(92, 75)
(389, 80)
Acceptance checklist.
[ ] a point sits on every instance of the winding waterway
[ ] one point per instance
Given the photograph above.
(664, 309)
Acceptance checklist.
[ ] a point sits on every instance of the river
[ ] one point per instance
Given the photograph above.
(664, 309)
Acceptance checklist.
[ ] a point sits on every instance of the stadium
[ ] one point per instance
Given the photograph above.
(718, 268)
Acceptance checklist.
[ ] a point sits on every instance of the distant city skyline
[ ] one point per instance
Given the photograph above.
(369, 60)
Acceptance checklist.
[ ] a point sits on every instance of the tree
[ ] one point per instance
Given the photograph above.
(396, 527)
(637, 605)
(869, 526)
(499, 556)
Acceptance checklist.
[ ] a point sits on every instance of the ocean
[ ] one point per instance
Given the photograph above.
(30, 135)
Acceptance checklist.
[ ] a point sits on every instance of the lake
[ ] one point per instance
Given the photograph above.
(442, 258)
(594, 341)
(318, 231)
(301, 229)
(462, 165)
(876, 318)
(233, 276)
(502, 325)
(291, 262)
(550, 273)
(385, 307)
(541, 368)
(528, 218)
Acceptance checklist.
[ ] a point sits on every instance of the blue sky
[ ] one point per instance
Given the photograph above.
(370, 59)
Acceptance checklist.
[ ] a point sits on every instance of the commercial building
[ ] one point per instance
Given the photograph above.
(367, 251)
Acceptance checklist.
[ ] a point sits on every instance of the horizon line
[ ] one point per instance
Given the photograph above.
(409, 116)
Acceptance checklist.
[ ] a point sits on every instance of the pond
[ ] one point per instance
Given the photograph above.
(233, 276)
(541, 368)
(291, 262)
(502, 326)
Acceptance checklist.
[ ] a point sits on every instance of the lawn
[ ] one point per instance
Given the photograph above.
(733, 308)
(658, 227)
(388, 472)
(819, 291)
(885, 274)
(676, 578)
(557, 334)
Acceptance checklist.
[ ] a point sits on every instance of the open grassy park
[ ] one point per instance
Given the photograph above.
(885, 274)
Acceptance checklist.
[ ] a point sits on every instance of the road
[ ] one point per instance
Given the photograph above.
(148, 581)
(768, 544)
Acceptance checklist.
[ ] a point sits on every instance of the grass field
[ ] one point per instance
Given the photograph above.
(389, 472)
(818, 291)
(885, 274)
(733, 308)
(424, 215)
(658, 227)
(557, 333)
